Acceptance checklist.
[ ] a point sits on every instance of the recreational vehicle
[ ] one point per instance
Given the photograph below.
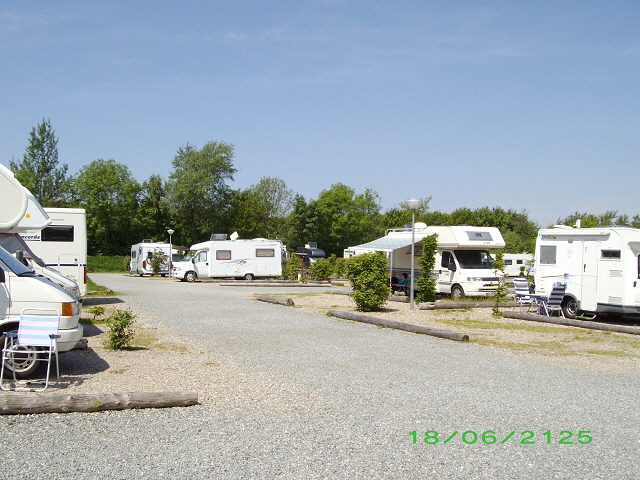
(222, 258)
(63, 244)
(516, 263)
(463, 263)
(600, 267)
(20, 288)
(142, 257)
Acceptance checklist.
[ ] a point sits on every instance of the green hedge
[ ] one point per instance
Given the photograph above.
(104, 264)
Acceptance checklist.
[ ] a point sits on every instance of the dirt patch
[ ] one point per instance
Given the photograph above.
(594, 349)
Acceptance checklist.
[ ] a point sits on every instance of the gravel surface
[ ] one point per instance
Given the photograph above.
(291, 393)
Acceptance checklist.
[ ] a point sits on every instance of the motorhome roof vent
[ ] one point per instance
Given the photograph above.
(218, 236)
(147, 240)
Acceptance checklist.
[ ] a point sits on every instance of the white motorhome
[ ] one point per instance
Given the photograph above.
(63, 244)
(514, 263)
(142, 256)
(600, 266)
(21, 288)
(221, 258)
(463, 263)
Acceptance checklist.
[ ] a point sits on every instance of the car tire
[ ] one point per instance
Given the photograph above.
(569, 307)
(248, 276)
(457, 292)
(190, 276)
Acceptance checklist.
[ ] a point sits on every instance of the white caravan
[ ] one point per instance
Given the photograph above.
(600, 266)
(463, 263)
(20, 288)
(142, 256)
(220, 258)
(63, 244)
(514, 262)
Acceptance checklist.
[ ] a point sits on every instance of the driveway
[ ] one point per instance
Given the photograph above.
(298, 395)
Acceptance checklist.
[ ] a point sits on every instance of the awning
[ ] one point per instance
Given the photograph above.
(386, 244)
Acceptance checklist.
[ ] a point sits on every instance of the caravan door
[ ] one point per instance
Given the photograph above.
(589, 281)
(201, 263)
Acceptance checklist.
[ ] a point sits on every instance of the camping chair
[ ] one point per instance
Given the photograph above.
(36, 331)
(554, 301)
(522, 293)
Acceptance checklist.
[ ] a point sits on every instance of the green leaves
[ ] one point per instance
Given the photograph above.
(368, 276)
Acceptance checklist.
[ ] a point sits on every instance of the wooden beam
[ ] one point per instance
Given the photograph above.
(460, 337)
(569, 322)
(16, 404)
(280, 301)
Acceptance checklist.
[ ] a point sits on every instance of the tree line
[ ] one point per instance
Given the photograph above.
(196, 201)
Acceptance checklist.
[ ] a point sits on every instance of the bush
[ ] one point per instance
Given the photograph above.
(157, 258)
(500, 295)
(321, 269)
(290, 267)
(104, 264)
(120, 329)
(426, 285)
(340, 267)
(368, 276)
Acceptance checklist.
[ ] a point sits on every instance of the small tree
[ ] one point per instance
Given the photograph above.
(427, 261)
(368, 276)
(321, 269)
(290, 267)
(501, 292)
(157, 259)
(120, 329)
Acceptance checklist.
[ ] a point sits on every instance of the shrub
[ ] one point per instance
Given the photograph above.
(120, 329)
(500, 295)
(157, 257)
(321, 269)
(340, 267)
(290, 267)
(105, 264)
(426, 285)
(368, 276)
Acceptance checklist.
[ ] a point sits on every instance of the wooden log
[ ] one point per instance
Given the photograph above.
(280, 301)
(16, 404)
(570, 322)
(399, 298)
(460, 337)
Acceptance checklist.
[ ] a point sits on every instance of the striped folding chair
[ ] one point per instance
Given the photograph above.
(37, 337)
(522, 295)
(554, 302)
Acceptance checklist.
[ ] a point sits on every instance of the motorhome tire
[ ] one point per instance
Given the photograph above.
(190, 276)
(26, 365)
(248, 276)
(140, 273)
(570, 307)
(457, 292)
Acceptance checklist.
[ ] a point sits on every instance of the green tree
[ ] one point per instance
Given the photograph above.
(425, 284)
(152, 218)
(39, 171)
(109, 194)
(500, 294)
(198, 193)
(368, 276)
(301, 224)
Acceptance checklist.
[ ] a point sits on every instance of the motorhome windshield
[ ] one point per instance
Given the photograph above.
(474, 258)
(14, 265)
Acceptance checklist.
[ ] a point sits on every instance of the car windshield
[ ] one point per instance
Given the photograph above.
(14, 265)
(474, 258)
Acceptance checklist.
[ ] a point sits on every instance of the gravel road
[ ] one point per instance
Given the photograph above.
(289, 394)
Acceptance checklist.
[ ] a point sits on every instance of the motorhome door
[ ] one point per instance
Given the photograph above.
(201, 263)
(589, 281)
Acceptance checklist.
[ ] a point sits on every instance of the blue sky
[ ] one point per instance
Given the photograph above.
(525, 105)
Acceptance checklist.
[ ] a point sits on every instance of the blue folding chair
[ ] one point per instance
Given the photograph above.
(522, 295)
(553, 303)
(37, 338)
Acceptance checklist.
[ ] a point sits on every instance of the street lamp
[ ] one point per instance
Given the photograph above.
(170, 232)
(413, 205)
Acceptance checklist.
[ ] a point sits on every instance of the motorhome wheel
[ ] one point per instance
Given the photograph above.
(457, 291)
(24, 365)
(569, 307)
(248, 276)
(190, 276)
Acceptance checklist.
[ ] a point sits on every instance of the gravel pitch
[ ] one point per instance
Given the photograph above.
(289, 393)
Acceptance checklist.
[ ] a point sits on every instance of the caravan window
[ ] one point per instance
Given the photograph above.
(610, 254)
(201, 257)
(223, 254)
(57, 234)
(446, 259)
(474, 258)
(508, 262)
(265, 252)
(547, 255)
(479, 236)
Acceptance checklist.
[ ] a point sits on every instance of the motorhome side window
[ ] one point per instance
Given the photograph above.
(265, 252)
(610, 254)
(58, 233)
(446, 259)
(508, 262)
(547, 254)
(223, 254)
(201, 257)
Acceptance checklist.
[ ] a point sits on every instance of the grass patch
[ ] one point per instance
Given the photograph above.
(555, 348)
(488, 325)
(172, 347)
(611, 353)
(98, 289)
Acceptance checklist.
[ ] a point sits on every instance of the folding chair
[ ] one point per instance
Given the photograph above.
(523, 298)
(553, 303)
(36, 331)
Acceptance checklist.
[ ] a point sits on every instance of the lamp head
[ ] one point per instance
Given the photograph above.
(413, 204)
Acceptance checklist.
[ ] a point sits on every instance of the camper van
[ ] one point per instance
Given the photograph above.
(222, 258)
(142, 256)
(600, 266)
(515, 263)
(21, 288)
(463, 264)
(63, 244)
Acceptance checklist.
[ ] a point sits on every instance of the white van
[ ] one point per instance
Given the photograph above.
(600, 266)
(463, 263)
(248, 259)
(63, 244)
(142, 256)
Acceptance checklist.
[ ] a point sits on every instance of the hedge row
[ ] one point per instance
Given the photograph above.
(104, 264)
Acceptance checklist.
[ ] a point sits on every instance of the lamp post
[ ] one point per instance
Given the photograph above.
(413, 205)
(170, 232)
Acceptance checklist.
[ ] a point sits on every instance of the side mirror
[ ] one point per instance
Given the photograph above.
(2, 279)
(193, 260)
(452, 266)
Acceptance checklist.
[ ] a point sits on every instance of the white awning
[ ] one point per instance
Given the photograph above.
(385, 244)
